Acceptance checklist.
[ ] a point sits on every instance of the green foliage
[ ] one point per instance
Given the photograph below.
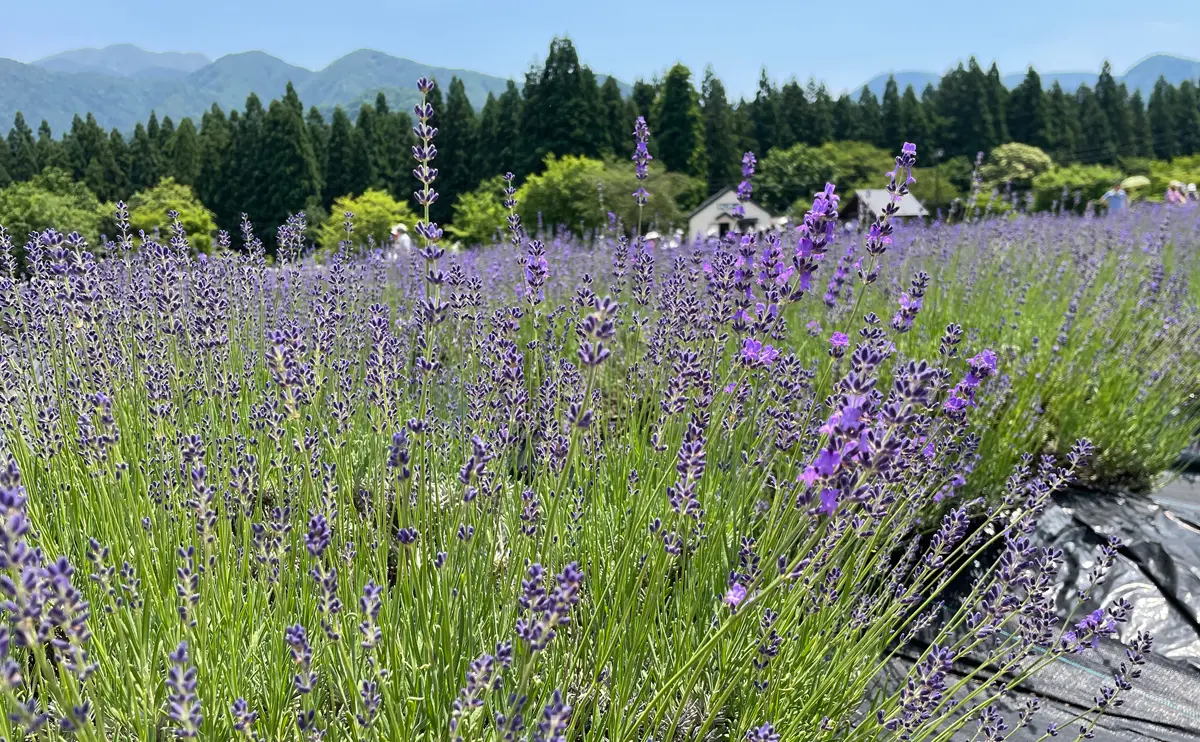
(578, 193)
(788, 178)
(375, 213)
(1089, 181)
(1015, 163)
(940, 186)
(50, 199)
(1182, 169)
(148, 212)
(566, 192)
(480, 214)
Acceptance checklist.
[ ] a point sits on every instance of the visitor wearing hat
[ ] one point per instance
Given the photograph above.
(401, 239)
(1191, 191)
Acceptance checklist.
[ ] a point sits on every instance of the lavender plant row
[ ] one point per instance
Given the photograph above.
(549, 492)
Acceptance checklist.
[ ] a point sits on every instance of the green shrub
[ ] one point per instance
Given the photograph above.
(375, 213)
(479, 214)
(148, 212)
(50, 199)
(579, 193)
(1014, 163)
(787, 178)
(1089, 181)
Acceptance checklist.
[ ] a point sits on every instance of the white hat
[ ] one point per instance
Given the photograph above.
(652, 235)
(1191, 187)
(399, 228)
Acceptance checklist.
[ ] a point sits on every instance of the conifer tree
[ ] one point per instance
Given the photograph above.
(23, 148)
(794, 114)
(845, 119)
(1114, 102)
(50, 151)
(318, 132)
(914, 124)
(893, 135)
(1097, 137)
(644, 94)
(1187, 118)
(391, 149)
(166, 140)
(679, 126)
(719, 137)
(1062, 125)
(559, 112)
(185, 153)
(1160, 115)
(1027, 112)
(287, 153)
(1142, 144)
(456, 140)
(764, 112)
(616, 121)
(868, 123)
(365, 131)
(348, 160)
(247, 177)
(997, 104)
(144, 168)
(5, 164)
(499, 141)
(591, 115)
(215, 172)
(929, 105)
(117, 167)
(820, 129)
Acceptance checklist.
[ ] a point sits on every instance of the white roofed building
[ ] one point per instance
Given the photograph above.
(715, 216)
(864, 205)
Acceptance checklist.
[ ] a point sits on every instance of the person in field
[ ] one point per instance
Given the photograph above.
(400, 239)
(1116, 198)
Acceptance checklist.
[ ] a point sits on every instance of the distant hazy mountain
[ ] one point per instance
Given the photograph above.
(1141, 76)
(125, 60)
(121, 84)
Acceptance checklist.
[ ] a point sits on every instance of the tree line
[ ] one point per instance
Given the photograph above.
(270, 161)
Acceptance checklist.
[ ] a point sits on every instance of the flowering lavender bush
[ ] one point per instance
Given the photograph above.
(533, 492)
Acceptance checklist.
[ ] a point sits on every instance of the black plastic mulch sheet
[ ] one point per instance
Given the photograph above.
(1158, 571)
(1164, 704)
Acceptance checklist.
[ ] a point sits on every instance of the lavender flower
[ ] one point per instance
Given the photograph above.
(183, 706)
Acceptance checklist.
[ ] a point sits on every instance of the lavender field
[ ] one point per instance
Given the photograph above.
(556, 489)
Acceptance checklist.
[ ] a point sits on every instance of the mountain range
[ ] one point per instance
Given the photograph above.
(1140, 76)
(121, 84)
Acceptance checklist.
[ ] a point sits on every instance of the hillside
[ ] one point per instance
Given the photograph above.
(121, 85)
(1140, 76)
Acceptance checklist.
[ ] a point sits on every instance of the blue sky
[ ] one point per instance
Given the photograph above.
(843, 44)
